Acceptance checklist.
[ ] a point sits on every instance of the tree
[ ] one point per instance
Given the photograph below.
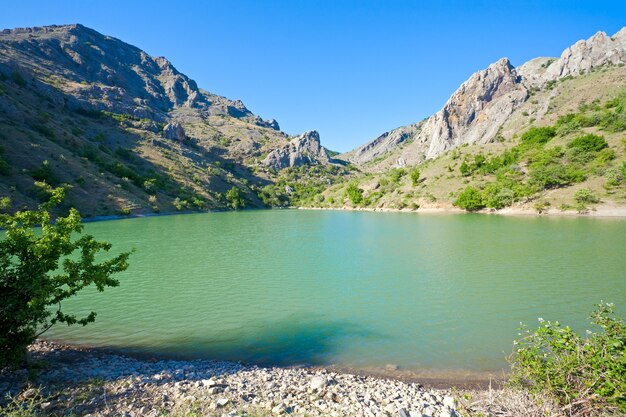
(415, 176)
(41, 268)
(355, 194)
(235, 198)
(470, 199)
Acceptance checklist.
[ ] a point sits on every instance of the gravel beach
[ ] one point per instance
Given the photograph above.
(83, 381)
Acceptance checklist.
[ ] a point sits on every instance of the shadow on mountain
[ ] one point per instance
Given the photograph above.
(102, 156)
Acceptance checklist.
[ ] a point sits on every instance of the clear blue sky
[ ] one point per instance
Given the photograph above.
(349, 69)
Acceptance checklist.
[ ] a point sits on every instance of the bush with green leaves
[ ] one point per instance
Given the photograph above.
(470, 199)
(585, 375)
(354, 193)
(414, 174)
(588, 143)
(395, 174)
(41, 265)
(235, 199)
(538, 136)
(585, 195)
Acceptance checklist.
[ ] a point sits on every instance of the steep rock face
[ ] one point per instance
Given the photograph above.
(304, 149)
(476, 110)
(382, 145)
(105, 73)
(473, 114)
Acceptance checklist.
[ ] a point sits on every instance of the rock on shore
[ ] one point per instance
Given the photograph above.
(92, 382)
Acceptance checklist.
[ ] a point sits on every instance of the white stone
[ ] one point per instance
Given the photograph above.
(318, 382)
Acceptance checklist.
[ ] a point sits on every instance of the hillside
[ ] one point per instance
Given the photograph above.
(511, 136)
(126, 132)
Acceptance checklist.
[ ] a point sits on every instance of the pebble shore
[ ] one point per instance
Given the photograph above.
(90, 382)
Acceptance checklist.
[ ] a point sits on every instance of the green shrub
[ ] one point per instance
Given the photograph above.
(538, 135)
(37, 272)
(584, 195)
(396, 174)
(587, 375)
(44, 173)
(588, 143)
(496, 196)
(235, 199)
(613, 177)
(470, 199)
(414, 174)
(354, 193)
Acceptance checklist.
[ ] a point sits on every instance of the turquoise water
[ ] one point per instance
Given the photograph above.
(423, 292)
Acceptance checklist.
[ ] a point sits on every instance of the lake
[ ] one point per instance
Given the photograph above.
(425, 292)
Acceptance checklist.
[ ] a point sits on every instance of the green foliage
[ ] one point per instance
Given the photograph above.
(38, 270)
(613, 177)
(235, 199)
(396, 174)
(414, 174)
(470, 199)
(18, 406)
(584, 195)
(588, 143)
(44, 173)
(497, 196)
(610, 117)
(547, 170)
(354, 193)
(585, 375)
(538, 136)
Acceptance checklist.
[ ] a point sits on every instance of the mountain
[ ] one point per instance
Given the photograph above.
(475, 112)
(126, 132)
(549, 135)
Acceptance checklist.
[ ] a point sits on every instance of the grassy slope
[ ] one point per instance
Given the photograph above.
(441, 180)
(116, 164)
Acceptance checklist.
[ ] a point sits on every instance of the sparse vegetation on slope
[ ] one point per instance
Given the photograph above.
(544, 166)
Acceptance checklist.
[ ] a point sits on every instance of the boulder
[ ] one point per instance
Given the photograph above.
(174, 131)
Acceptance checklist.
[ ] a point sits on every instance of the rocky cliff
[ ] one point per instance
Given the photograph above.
(475, 112)
(302, 150)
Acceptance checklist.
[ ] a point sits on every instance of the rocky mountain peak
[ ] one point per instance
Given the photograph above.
(476, 110)
(585, 55)
(304, 149)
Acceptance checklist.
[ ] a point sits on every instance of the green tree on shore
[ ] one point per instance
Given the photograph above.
(41, 268)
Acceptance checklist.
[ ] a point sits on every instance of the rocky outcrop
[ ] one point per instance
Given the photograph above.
(476, 110)
(270, 124)
(304, 149)
(382, 145)
(585, 55)
(174, 131)
(483, 103)
(473, 114)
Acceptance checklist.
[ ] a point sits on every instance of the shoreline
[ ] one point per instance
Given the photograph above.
(440, 379)
(105, 382)
(603, 211)
(613, 212)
